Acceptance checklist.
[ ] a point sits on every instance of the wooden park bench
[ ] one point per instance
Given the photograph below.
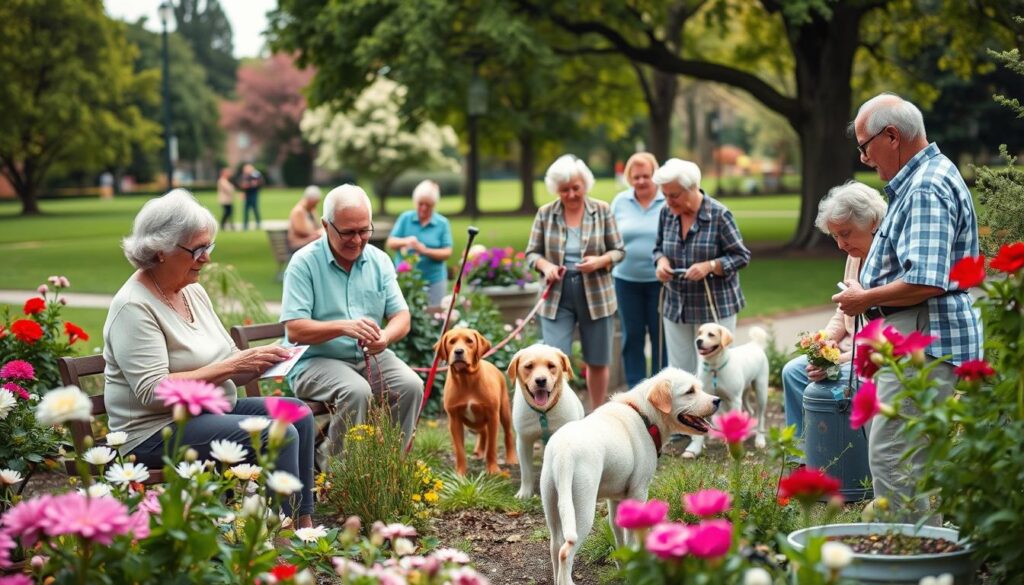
(279, 247)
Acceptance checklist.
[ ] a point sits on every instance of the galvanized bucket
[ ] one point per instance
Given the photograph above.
(832, 445)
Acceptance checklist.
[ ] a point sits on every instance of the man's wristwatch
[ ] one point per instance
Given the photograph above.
(714, 265)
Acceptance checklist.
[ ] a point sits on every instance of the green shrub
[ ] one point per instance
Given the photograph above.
(235, 300)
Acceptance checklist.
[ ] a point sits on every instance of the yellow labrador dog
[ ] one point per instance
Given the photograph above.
(613, 453)
(542, 403)
(738, 375)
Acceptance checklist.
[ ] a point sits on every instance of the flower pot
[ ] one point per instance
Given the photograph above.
(897, 569)
(513, 302)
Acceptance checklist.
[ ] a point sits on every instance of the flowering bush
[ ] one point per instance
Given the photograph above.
(496, 267)
(822, 351)
(972, 440)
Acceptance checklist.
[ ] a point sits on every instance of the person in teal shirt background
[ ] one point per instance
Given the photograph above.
(427, 233)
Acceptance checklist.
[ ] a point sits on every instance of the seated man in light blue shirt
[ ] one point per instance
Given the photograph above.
(338, 293)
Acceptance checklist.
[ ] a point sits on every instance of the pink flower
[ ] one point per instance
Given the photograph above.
(466, 576)
(98, 519)
(865, 405)
(863, 364)
(395, 529)
(403, 266)
(195, 395)
(139, 524)
(19, 579)
(734, 426)
(706, 503)
(18, 370)
(914, 342)
(25, 520)
(150, 503)
(634, 515)
(7, 544)
(668, 540)
(16, 389)
(285, 411)
(710, 539)
(42, 289)
(872, 334)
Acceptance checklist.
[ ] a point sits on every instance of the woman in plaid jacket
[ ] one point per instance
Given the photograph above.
(574, 242)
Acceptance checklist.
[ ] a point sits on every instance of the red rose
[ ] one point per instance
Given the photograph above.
(808, 485)
(968, 272)
(972, 370)
(284, 572)
(75, 332)
(27, 330)
(34, 306)
(1010, 258)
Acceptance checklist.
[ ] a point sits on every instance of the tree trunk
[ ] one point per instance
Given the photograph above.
(527, 159)
(25, 184)
(29, 201)
(660, 107)
(383, 188)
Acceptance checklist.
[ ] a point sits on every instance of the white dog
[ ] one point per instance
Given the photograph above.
(613, 454)
(542, 404)
(738, 375)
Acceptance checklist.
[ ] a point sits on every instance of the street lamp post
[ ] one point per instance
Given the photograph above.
(166, 13)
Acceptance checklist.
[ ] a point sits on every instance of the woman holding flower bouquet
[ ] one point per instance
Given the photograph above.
(850, 213)
(161, 327)
(574, 243)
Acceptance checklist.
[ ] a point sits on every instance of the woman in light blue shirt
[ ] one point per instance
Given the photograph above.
(636, 212)
(428, 234)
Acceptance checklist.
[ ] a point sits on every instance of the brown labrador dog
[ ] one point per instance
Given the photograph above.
(475, 396)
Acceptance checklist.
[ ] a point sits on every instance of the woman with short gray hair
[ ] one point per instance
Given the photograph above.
(426, 233)
(161, 326)
(850, 213)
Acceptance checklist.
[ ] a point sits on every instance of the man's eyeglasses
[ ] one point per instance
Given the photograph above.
(349, 234)
(198, 252)
(863, 147)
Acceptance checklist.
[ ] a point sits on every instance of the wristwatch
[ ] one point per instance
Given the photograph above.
(714, 264)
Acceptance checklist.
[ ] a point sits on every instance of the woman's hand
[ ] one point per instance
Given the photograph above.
(698, 271)
(592, 264)
(258, 359)
(845, 357)
(551, 272)
(815, 374)
(663, 270)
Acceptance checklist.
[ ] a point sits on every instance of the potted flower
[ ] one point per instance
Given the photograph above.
(502, 275)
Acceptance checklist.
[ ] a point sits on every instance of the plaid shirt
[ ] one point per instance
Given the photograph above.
(599, 235)
(713, 236)
(930, 226)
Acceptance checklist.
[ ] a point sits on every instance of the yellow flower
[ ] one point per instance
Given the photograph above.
(430, 497)
(432, 424)
(438, 484)
(416, 498)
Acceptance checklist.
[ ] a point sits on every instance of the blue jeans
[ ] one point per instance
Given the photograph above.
(638, 314)
(795, 382)
(252, 203)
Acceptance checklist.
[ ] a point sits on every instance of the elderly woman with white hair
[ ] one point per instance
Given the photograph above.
(698, 254)
(574, 243)
(850, 213)
(428, 234)
(161, 326)
(303, 226)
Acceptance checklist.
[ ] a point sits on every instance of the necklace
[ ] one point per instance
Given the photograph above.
(167, 300)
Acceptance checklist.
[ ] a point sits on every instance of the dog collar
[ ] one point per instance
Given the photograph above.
(714, 374)
(545, 432)
(652, 429)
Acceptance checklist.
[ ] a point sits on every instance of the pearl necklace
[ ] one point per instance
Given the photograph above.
(167, 300)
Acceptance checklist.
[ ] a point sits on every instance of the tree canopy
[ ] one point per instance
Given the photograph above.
(207, 30)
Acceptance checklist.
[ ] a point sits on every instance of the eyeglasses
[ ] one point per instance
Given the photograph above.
(349, 234)
(198, 252)
(863, 147)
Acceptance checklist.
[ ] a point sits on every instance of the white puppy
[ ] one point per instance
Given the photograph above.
(543, 402)
(613, 453)
(738, 375)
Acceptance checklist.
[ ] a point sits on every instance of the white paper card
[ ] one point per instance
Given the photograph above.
(281, 369)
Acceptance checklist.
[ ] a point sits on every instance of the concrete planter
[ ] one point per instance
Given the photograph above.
(513, 302)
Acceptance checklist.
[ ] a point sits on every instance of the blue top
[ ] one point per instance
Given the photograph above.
(573, 247)
(316, 287)
(639, 230)
(929, 227)
(436, 234)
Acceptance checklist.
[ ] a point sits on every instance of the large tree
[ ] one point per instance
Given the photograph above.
(206, 28)
(68, 92)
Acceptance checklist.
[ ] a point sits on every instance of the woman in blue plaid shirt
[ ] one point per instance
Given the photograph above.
(697, 240)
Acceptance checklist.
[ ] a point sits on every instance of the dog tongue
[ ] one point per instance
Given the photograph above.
(541, 397)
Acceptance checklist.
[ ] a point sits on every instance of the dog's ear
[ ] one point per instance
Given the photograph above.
(484, 345)
(566, 365)
(441, 347)
(661, 396)
(513, 368)
(726, 336)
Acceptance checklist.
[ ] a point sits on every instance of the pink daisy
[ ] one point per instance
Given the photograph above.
(98, 519)
(25, 520)
(16, 389)
(7, 544)
(195, 395)
(285, 411)
(18, 370)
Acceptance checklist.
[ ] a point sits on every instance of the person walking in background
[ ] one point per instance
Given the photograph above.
(697, 240)
(226, 199)
(303, 226)
(251, 182)
(574, 243)
(930, 225)
(427, 233)
(636, 211)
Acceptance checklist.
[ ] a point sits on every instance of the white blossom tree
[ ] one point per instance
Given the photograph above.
(369, 138)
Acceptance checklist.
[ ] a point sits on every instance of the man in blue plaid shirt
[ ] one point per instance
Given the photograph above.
(930, 225)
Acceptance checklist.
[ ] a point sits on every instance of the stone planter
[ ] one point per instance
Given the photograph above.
(513, 302)
(897, 569)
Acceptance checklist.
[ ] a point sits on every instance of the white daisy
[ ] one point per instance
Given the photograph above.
(99, 455)
(836, 555)
(252, 505)
(188, 470)
(10, 477)
(254, 424)
(7, 403)
(117, 438)
(125, 473)
(311, 534)
(284, 483)
(246, 471)
(97, 490)
(227, 452)
(451, 555)
(403, 546)
(64, 404)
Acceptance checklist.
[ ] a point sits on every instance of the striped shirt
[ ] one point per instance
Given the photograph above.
(599, 235)
(930, 226)
(713, 236)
